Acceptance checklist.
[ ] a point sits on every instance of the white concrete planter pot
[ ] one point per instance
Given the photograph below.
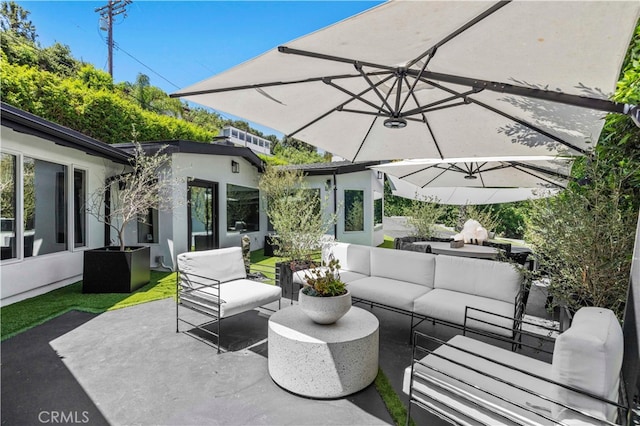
(325, 310)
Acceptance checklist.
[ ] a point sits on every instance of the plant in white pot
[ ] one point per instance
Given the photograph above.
(325, 298)
(123, 199)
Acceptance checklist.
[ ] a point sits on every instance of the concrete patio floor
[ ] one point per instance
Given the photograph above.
(130, 367)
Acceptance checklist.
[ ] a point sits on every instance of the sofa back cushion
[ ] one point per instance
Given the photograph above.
(486, 278)
(402, 265)
(352, 257)
(220, 264)
(588, 356)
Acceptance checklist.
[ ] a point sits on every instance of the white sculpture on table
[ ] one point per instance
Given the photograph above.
(472, 233)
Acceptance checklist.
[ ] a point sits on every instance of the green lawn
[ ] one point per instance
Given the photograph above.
(23, 315)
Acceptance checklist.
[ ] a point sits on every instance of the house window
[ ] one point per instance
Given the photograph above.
(377, 210)
(8, 206)
(148, 228)
(79, 213)
(45, 207)
(353, 210)
(243, 207)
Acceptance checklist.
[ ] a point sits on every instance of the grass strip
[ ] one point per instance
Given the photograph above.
(26, 314)
(392, 401)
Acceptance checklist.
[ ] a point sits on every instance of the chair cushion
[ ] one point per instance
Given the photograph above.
(348, 276)
(352, 257)
(237, 296)
(488, 278)
(467, 412)
(398, 294)
(412, 267)
(589, 356)
(220, 264)
(450, 306)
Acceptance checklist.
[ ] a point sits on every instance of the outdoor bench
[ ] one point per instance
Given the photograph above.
(214, 283)
(467, 381)
(432, 287)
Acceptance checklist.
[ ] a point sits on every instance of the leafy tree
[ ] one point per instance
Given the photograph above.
(422, 215)
(300, 229)
(14, 18)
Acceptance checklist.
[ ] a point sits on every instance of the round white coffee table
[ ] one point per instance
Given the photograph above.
(323, 361)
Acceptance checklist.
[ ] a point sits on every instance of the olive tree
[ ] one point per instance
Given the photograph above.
(148, 185)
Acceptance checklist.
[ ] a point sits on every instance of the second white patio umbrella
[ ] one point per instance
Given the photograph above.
(483, 172)
(461, 196)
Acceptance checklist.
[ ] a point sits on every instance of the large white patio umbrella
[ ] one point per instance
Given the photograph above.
(439, 79)
(461, 196)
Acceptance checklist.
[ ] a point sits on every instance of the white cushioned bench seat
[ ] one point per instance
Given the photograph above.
(450, 306)
(588, 357)
(429, 286)
(387, 291)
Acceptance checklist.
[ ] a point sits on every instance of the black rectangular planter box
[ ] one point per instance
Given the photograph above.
(109, 270)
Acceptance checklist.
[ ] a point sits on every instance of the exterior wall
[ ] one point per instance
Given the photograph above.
(22, 278)
(365, 181)
(173, 233)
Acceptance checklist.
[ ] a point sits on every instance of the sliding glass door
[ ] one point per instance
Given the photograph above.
(202, 208)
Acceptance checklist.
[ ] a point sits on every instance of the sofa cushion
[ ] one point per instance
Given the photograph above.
(237, 296)
(412, 267)
(220, 264)
(349, 276)
(450, 306)
(352, 257)
(464, 409)
(398, 294)
(488, 278)
(589, 356)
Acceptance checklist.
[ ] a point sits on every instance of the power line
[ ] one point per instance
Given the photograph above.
(144, 65)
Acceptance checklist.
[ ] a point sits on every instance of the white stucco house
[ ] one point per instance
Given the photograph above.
(48, 172)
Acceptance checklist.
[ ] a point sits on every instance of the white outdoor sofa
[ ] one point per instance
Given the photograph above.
(469, 382)
(214, 283)
(433, 287)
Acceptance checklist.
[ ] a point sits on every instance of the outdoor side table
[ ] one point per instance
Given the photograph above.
(323, 361)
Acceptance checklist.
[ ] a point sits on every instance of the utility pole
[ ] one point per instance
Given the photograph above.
(107, 13)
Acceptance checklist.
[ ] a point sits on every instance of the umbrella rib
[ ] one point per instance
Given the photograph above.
(462, 29)
(430, 52)
(372, 124)
(512, 118)
(354, 62)
(426, 122)
(271, 84)
(548, 95)
(384, 80)
(429, 107)
(520, 166)
(439, 174)
(375, 88)
(358, 97)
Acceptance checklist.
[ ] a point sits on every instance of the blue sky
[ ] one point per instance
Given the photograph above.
(178, 43)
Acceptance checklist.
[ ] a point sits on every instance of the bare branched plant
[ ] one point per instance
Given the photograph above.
(149, 185)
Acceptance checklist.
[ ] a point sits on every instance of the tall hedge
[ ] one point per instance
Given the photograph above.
(96, 112)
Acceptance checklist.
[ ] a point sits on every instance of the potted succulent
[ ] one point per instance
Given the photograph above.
(126, 198)
(324, 298)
